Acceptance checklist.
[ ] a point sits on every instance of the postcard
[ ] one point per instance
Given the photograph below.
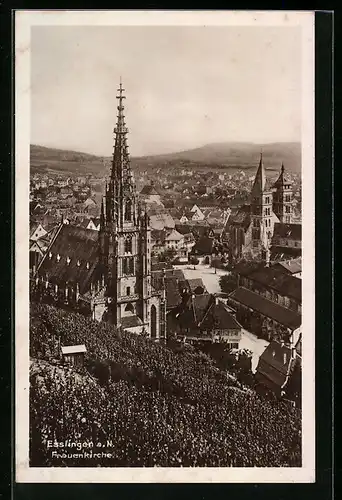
(165, 235)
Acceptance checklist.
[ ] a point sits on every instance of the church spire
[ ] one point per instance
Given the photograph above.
(260, 179)
(121, 170)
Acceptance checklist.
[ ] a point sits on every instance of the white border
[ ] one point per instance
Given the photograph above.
(23, 22)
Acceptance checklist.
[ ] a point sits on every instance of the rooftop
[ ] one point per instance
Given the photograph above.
(286, 317)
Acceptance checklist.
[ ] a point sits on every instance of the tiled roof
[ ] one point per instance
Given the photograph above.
(203, 312)
(81, 247)
(130, 321)
(240, 218)
(290, 231)
(284, 253)
(292, 266)
(271, 370)
(196, 283)
(204, 246)
(275, 278)
(149, 190)
(174, 236)
(260, 304)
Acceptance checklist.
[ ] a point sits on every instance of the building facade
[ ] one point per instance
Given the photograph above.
(108, 272)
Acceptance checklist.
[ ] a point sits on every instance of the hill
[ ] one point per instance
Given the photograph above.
(157, 406)
(218, 155)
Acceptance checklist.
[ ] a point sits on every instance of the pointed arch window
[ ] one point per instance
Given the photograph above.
(128, 245)
(128, 210)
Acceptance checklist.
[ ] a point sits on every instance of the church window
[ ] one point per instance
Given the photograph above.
(288, 197)
(128, 210)
(129, 308)
(128, 245)
(128, 265)
(256, 223)
(128, 290)
(287, 209)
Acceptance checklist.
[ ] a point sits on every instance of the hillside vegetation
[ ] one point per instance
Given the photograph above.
(221, 155)
(148, 405)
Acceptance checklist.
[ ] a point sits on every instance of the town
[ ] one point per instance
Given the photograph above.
(199, 259)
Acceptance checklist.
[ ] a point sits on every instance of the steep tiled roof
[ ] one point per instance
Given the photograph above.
(196, 283)
(219, 317)
(275, 278)
(240, 218)
(81, 247)
(204, 246)
(149, 190)
(292, 266)
(274, 365)
(256, 302)
(290, 231)
(130, 321)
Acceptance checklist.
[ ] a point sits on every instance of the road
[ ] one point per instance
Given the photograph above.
(211, 282)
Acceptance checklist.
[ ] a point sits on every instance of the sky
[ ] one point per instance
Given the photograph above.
(186, 86)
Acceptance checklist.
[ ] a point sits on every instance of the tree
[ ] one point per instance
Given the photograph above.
(194, 261)
(168, 255)
(228, 283)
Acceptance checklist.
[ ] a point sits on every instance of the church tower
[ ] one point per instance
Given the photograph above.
(282, 197)
(125, 245)
(261, 212)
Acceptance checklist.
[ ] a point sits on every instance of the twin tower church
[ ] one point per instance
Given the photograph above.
(107, 273)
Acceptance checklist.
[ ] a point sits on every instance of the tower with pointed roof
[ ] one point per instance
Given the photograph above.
(261, 212)
(125, 244)
(282, 197)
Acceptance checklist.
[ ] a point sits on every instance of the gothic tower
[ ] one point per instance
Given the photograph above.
(261, 212)
(125, 244)
(282, 197)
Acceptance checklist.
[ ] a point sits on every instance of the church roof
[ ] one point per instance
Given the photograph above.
(291, 231)
(130, 321)
(282, 179)
(259, 185)
(72, 257)
(241, 218)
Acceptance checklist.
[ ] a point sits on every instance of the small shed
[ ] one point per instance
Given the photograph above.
(74, 354)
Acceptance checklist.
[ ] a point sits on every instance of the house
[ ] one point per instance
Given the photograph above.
(37, 231)
(94, 224)
(292, 267)
(174, 240)
(161, 220)
(264, 317)
(74, 354)
(276, 367)
(274, 284)
(204, 318)
(150, 195)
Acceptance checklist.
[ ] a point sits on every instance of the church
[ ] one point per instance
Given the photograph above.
(250, 231)
(107, 273)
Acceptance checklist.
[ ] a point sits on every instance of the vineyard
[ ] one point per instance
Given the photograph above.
(146, 404)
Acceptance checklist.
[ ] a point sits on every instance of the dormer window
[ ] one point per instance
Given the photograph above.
(78, 263)
(68, 260)
(273, 353)
(58, 257)
(285, 358)
(50, 255)
(87, 266)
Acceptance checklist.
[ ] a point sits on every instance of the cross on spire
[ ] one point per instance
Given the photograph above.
(120, 90)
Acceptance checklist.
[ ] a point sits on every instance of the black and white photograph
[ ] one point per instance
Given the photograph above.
(165, 246)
